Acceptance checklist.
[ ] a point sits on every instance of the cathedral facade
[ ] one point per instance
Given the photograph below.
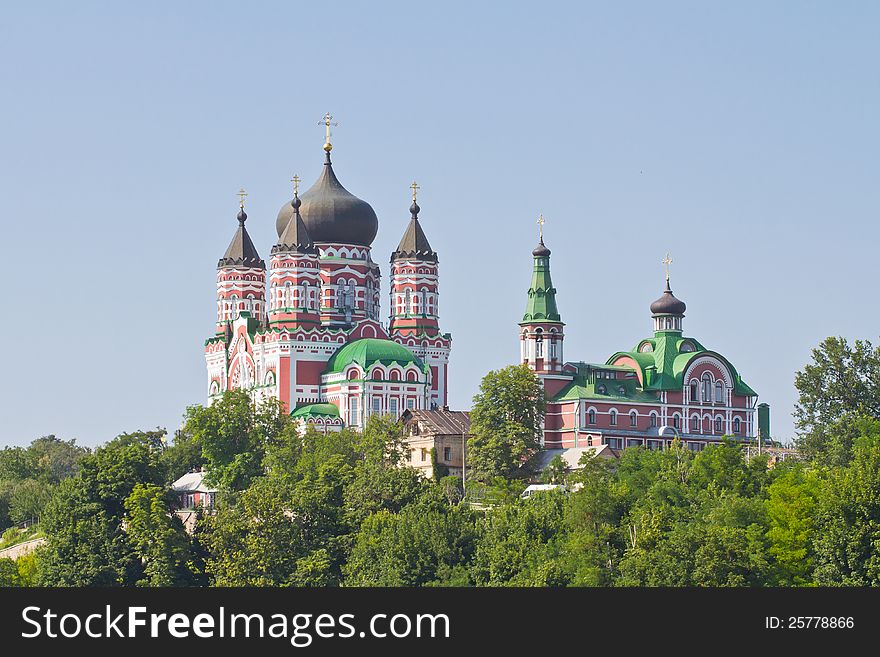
(311, 336)
(668, 386)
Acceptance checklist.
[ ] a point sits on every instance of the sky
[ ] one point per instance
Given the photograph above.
(739, 137)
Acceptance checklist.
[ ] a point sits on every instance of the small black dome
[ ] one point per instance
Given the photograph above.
(668, 304)
(541, 249)
(333, 214)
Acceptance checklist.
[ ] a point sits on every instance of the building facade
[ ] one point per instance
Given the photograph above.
(667, 386)
(308, 332)
(435, 440)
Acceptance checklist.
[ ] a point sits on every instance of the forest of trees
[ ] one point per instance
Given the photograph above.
(343, 509)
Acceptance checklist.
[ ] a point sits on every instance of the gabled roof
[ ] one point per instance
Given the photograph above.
(440, 421)
(571, 456)
(193, 482)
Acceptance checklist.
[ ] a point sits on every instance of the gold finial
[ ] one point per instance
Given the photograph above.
(327, 121)
(541, 227)
(295, 181)
(667, 261)
(415, 189)
(241, 195)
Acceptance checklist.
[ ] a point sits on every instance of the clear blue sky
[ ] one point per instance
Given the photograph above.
(741, 137)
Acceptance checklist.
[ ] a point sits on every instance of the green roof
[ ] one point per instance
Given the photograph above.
(541, 306)
(589, 383)
(368, 351)
(316, 410)
(663, 366)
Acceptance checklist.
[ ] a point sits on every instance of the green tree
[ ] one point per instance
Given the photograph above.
(415, 547)
(847, 533)
(9, 573)
(519, 544)
(505, 423)
(56, 459)
(27, 499)
(86, 545)
(272, 535)
(233, 434)
(158, 537)
(842, 381)
(792, 501)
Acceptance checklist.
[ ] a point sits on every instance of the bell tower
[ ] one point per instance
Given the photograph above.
(541, 333)
(241, 277)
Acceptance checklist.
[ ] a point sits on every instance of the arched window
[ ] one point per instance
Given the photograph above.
(539, 343)
(719, 392)
(591, 416)
(676, 421)
(717, 425)
(633, 419)
(736, 425)
(653, 419)
(621, 390)
(613, 418)
(601, 389)
(394, 375)
(707, 387)
(693, 395)
(695, 424)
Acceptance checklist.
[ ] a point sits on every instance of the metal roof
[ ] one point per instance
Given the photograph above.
(440, 421)
(193, 482)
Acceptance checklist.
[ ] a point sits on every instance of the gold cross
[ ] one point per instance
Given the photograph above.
(295, 181)
(415, 189)
(241, 195)
(541, 226)
(327, 120)
(667, 261)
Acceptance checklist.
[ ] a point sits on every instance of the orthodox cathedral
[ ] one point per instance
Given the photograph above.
(313, 338)
(667, 386)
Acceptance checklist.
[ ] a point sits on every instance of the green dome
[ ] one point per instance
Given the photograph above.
(367, 351)
(316, 410)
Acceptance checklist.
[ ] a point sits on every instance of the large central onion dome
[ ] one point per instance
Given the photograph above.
(333, 214)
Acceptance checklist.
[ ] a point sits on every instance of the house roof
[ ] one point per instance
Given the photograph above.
(571, 456)
(193, 482)
(440, 421)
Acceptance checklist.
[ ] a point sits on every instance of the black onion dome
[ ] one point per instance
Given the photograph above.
(333, 214)
(241, 251)
(541, 250)
(668, 304)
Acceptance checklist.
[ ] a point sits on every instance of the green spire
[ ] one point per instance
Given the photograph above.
(542, 295)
